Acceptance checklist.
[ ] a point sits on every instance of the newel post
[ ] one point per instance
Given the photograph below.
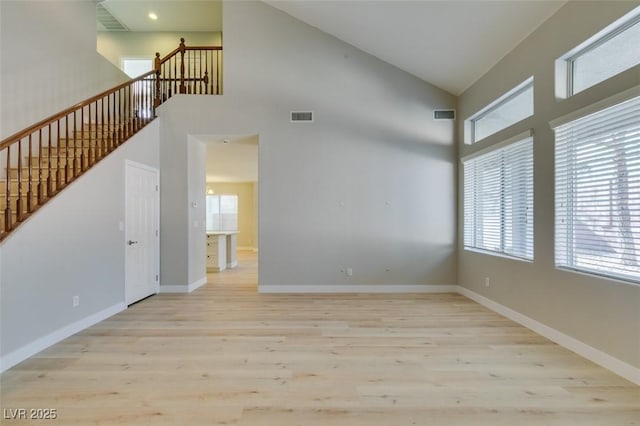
(156, 98)
(182, 49)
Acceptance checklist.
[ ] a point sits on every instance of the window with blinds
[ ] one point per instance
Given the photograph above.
(222, 213)
(598, 192)
(498, 199)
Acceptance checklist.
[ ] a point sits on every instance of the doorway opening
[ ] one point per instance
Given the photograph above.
(232, 196)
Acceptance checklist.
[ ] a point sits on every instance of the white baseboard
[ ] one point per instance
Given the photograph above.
(183, 288)
(50, 339)
(197, 284)
(603, 359)
(412, 288)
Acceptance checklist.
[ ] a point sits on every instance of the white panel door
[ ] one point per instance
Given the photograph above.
(141, 231)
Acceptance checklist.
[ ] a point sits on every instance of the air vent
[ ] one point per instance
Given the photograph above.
(107, 20)
(444, 114)
(302, 116)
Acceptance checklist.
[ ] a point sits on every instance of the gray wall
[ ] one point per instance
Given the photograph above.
(73, 246)
(48, 60)
(602, 313)
(369, 185)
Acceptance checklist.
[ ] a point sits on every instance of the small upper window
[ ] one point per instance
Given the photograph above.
(136, 67)
(513, 106)
(610, 52)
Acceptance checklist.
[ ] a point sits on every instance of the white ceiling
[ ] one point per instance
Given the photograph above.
(450, 44)
(231, 158)
(173, 15)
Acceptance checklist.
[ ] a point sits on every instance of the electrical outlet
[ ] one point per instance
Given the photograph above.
(487, 281)
(76, 301)
(349, 272)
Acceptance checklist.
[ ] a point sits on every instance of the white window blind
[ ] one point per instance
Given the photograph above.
(498, 200)
(598, 192)
(222, 213)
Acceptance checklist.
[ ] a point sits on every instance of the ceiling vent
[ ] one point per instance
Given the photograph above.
(302, 116)
(444, 114)
(107, 20)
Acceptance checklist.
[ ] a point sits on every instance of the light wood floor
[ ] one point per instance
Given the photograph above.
(227, 355)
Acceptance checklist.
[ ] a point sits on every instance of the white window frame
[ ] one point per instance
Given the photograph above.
(218, 226)
(566, 250)
(470, 123)
(507, 223)
(564, 66)
(124, 61)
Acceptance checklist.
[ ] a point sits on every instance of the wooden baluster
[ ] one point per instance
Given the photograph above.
(67, 172)
(120, 123)
(95, 127)
(206, 72)
(75, 148)
(129, 113)
(191, 78)
(174, 76)
(102, 140)
(156, 101)
(59, 168)
(49, 164)
(183, 89)
(40, 175)
(108, 141)
(19, 200)
(83, 164)
(7, 201)
(30, 177)
(115, 123)
(130, 104)
(218, 53)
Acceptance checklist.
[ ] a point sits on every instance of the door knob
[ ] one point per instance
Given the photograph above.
(132, 242)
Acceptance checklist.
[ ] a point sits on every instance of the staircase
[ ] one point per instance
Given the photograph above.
(40, 161)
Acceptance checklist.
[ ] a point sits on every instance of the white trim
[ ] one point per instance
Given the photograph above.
(183, 288)
(513, 139)
(603, 359)
(174, 289)
(30, 349)
(470, 123)
(596, 106)
(197, 284)
(411, 288)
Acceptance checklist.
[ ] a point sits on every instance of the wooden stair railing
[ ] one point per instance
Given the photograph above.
(189, 70)
(41, 160)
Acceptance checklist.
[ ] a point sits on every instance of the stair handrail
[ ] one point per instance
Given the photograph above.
(53, 152)
(42, 123)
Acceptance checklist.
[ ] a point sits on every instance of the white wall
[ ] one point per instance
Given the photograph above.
(73, 246)
(48, 60)
(602, 313)
(369, 185)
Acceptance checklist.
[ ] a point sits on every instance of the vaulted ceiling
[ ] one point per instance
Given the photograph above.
(449, 43)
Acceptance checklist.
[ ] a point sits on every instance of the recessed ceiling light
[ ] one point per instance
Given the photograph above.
(153, 16)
